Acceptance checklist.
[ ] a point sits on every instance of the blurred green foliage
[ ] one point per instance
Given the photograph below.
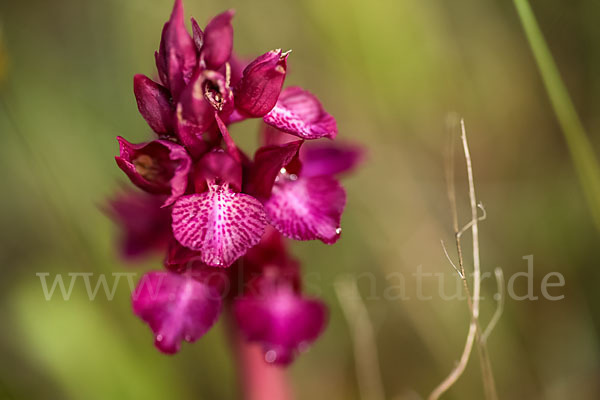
(390, 71)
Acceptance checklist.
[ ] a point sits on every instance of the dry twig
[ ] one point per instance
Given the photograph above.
(473, 301)
(499, 297)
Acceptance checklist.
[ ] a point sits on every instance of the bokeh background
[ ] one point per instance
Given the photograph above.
(392, 72)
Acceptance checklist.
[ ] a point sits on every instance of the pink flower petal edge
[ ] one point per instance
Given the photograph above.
(324, 157)
(307, 208)
(300, 113)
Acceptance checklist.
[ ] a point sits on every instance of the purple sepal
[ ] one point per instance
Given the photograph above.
(176, 307)
(153, 101)
(283, 322)
(217, 167)
(145, 227)
(160, 166)
(206, 94)
(324, 157)
(177, 57)
(268, 163)
(257, 92)
(218, 40)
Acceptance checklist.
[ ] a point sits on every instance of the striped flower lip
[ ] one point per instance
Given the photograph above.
(219, 223)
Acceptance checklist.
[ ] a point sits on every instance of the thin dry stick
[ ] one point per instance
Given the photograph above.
(474, 330)
(488, 378)
(500, 306)
(458, 271)
(470, 224)
(486, 368)
(461, 273)
(460, 367)
(450, 174)
(452, 198)
(366, 361)
(475, 225)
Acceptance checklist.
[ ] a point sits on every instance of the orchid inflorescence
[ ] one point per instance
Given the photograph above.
(222, 218)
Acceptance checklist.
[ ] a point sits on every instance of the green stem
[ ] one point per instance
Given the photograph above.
(582, 153)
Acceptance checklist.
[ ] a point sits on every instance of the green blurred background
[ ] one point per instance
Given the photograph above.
(391, 71)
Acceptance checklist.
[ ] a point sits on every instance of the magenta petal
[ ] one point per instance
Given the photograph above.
(218, 40)
(307, 208)
(177, 308)
(237, 66)
(257, 92)
(234, 117)
(195, 115)
(197, 35)
(268, 162)
(145, 226)
(300, 113)
(180, 259)
(231, 146)
(153, 101)
(160, 57)
(271, 251)
(220, 168)
(270, 135)
(221, 224)
(160, 166)
(329, 158)
(206, 94)
(177, 57)
(283, 322)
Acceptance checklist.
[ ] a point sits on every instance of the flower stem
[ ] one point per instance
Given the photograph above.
(258, 380)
